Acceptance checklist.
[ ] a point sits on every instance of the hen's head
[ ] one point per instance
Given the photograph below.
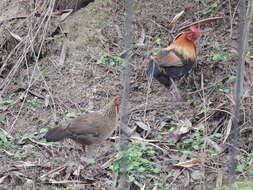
(193, 34)
(116, 101)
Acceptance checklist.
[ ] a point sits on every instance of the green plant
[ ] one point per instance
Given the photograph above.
(242, 163)
(154, 51)
(2, 121)
(210, 9)
(118, 60)
(102, 59)
(112, 61)
(139, 45)
(71, 113)
(5, 102)
(43, 130)
(110, 182)
(34, 102)
(140, 164)
(4, 143)
(195, 140)
(55, 188)
(52, 124)
(19, 156)
(221, 54)
(250, 170)
(9, 101)
(189, 94)
(88, 109)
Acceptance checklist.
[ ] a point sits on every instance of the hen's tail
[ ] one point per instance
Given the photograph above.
(57, 134)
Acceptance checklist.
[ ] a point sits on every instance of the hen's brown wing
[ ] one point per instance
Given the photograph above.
(90, 123)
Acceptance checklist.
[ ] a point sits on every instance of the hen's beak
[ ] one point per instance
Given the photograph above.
(117, 108)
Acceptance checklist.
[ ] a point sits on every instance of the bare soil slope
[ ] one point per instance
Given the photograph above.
(41, 93)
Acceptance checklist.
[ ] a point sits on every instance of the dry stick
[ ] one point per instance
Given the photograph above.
(63, 52)
(243, 43)
(201, 22)
(203, 147)
(49, 11)
(232, 16)
(122, 182)
(13, 18)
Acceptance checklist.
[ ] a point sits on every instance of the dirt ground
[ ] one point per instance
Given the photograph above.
(40, 93)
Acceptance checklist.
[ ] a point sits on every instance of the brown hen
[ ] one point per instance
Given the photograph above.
(91, 128)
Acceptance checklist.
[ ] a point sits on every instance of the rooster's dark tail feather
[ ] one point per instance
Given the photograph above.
(153, 71)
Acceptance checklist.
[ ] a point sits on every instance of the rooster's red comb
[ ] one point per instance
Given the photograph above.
(194, 29)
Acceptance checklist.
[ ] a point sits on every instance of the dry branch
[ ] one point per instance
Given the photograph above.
(245, 20)
(122, 183)
(201, 22)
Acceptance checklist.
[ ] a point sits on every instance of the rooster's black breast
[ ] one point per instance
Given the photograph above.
(173, 72)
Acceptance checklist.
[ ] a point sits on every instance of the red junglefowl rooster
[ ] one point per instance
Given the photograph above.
(175, 61)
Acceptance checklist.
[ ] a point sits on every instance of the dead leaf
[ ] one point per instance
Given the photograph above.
(251, 163)
(249, 61)
(8, 153)
(47, 100)
(143, 187)
(60, 168)
(25, 164)
(22, 164)
(176, 17)
(143, 125)
(2, 179)
(29, 182)
(63, 13)
(66, 14)
(78, 170)
(234, 50)
(17, 37)
(188, 164)
(111, 160)
(184, 128)
(228, 130)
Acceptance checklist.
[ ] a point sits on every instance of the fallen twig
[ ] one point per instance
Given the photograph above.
(63, 52)
(201, 22)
